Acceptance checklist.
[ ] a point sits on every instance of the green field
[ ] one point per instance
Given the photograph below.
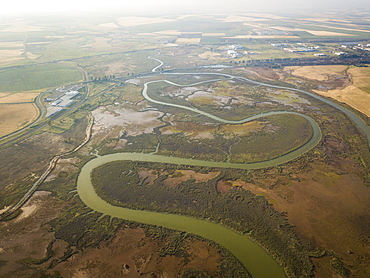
(37, 77)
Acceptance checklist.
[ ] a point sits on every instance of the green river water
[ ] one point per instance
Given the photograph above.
(251, 255)
(255, 259)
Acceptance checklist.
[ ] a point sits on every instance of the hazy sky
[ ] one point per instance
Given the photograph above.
(22, 6)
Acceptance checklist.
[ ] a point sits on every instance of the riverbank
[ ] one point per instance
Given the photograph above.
(253, 257)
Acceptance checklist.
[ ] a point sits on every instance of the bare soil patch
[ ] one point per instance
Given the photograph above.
(116, 68)
(242, 129)
(183, 175)
(188, 40)
(131, 253)
(213, 34)
(209, 55)
(223, 186)
(203, 97)
(169, 32)
(193, 129)
(265, 73)
(63, 167)
(328, 33)
(147, 175)
(28, 236)
(32, 56)
(32, 204)
(329, 208)
(124, 120)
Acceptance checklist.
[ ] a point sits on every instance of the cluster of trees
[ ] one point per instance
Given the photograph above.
(103, 78)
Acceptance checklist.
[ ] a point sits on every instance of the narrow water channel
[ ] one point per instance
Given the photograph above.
(258, 263)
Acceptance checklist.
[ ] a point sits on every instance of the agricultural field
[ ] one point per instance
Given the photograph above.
(27, 42)
(18, 97)
(20, 87)
(320, 73)
(224, 94)
(345, 84)
(37, 77)
(357, 93)
(16, 116)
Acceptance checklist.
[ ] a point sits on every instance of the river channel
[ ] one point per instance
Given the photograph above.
(251, 255)
(255, 259)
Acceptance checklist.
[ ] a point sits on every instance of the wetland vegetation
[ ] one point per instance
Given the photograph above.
(240, 210)
(292, 209)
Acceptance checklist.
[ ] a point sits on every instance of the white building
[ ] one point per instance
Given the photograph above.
(71, 94)
(233, 53)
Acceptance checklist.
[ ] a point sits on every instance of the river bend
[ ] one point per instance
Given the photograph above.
(250, 254)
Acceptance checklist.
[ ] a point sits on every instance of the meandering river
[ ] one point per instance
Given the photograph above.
(251, 255)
